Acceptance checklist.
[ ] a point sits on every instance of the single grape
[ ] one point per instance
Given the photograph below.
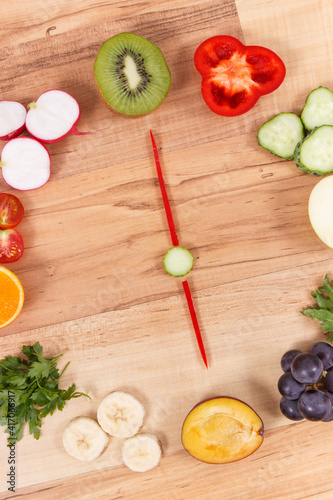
(289, 408)
(328, 380)
(287, 359)
(330, 415)
(314, 405)
(307, 368)
(289, 387)
(324, 351)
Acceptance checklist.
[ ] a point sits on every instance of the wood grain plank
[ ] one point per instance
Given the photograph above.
(275, 471)
(66, 60)
(150, 351)
(39, 18)
(86, 245)
(104, 302)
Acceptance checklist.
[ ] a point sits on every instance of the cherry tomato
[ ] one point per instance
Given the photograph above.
(234, 75)
(11, 211)
(11, 245)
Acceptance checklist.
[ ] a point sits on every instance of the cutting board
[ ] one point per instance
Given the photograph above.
(96, 233)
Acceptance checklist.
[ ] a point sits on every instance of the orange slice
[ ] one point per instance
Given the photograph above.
(11, 296)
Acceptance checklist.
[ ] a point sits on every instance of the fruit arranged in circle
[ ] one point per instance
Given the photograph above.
(11, 211)
(289, 387)
(222, 430)
(306, 368)
(288, 358)
(53, 116)
(314, 405)
(120, 414)
(324, 351)
(131, 73)
(321, 210)
(25, 163)
(328, 380)
(142, 452)
(318, 108)
(281, 134)
(307, 387)
(234, 76)
(84, 439)
(11, 296)
(289, 408)
(12, 119)
(11, 246)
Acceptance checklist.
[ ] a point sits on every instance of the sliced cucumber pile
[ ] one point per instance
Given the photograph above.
(285, 134)
(318, 108)
(314, 154)
(281, 134)
(178, 261)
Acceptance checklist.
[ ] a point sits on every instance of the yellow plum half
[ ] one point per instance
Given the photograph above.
(222, 430)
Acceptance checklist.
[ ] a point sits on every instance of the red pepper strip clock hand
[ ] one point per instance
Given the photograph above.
(175, 242)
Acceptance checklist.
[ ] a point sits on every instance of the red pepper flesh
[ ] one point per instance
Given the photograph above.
(234, 75)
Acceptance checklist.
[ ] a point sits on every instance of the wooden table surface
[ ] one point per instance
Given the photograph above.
(96, 233)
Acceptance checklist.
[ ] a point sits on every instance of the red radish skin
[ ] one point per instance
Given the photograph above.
(25, 164)
(49, 125)
(12, 119)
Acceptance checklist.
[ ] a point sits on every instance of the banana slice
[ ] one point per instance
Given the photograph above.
(120, 414)
(84, 439)
(142, 452)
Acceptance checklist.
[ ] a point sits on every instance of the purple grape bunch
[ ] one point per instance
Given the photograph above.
(306, 386)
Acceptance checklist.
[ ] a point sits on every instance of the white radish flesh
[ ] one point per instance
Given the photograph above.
(321, 210)
(53, 116)
(12, 119)
(25, 163)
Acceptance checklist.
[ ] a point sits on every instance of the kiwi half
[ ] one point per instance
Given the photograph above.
(132, 74)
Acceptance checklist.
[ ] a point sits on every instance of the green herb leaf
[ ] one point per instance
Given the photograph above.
(324, 312)
(29, 391)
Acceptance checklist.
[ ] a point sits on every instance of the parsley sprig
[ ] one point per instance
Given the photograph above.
(324, 312)
(31, 386)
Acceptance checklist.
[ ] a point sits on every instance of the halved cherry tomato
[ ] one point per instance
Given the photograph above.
(11, 245)
(11, 211)
(234, 75)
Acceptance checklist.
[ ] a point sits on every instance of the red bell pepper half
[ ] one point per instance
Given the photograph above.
(234, 75)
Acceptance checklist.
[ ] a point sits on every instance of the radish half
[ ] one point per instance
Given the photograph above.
(25, 163)
(12, 119)
(321, 210)
(53, 116)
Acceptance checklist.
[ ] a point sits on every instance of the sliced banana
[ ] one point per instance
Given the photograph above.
(120, 414)
(142, 452)
(84, 439)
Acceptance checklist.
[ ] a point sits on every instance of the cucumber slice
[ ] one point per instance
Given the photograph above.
(318, 108)
(281, 134)
(321, 210)
(314, 154)
(178, 261)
